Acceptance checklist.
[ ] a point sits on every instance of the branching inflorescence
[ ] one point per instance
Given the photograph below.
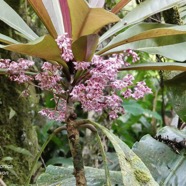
(96, 89)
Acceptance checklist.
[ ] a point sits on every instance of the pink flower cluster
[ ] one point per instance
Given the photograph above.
(16, 70)
(64, 43)
(99, 92)
(97, 89)
(58, 114)
(50, 79)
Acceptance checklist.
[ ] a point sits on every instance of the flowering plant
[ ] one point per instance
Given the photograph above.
(80, 69)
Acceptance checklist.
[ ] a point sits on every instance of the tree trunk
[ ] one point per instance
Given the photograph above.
(16, 129)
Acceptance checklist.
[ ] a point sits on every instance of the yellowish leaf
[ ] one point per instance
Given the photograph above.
(86, 20)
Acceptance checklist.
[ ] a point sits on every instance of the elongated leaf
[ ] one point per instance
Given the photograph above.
(136, 30)
(66, 17)
(165, 165)
(141, 12)
(133, 170)
(87, 20)
(7, 40)
(157, 66)
(165, 46)
(19, 150)
(7, 158)
(119, 6)
(63, 176)
(54, 11)
(176, 87)
(44, 47)
(107, 173)
(10, 17)
(153, 33)
(84, 48)
(40, 10)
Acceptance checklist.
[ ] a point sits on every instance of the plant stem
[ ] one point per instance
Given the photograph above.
(40, 152)
(107, 174)
(75, 147)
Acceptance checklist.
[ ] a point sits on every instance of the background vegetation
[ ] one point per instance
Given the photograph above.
(143, 123)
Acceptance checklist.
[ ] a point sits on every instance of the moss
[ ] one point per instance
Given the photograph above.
(141, 176)
(16, 130)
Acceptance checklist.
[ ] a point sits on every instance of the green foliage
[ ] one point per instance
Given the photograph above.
(177, 92)
(19, 150)
(152, 38)
(63, 176)
(166, 166)
(132, 168)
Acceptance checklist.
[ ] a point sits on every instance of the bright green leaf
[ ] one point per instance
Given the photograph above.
(133, 108)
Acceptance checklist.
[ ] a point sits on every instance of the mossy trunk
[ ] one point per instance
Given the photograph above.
(16, 129)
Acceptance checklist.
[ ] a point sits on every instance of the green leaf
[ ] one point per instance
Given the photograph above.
(133, 108)
(107, 173)
(19, 150)
(141, 12)
(63, 176)
(40, 10)
(7, 158)
(165, 165)
(157, 66)
(148, 34)
(177, 93)
(7, 40)
(87, 20)
(84, 48)
(10, 17)
(44, 47)
(133, 170)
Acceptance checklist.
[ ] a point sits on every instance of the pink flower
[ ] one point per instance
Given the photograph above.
(81, 65)
(64, 43)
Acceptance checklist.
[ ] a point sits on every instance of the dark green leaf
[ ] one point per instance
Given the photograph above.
(177, 93)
